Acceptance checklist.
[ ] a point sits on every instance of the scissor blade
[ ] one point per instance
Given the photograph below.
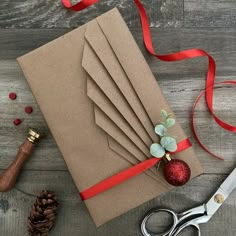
(230, 183)
(221, 194)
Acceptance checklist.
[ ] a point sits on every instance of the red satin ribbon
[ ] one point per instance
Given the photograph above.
(127, 174)
(182, 55)
(231, 82)
(80, 5)
(177, 56)
(118, 178)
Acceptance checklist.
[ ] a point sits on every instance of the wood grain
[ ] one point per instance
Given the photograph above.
(210, 13)
(51, 14)
(220, 43)
(74, 219)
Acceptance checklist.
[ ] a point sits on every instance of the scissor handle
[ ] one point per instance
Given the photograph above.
(153, 212)
(185, 225)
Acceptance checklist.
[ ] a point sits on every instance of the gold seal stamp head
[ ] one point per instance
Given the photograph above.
(33, 135)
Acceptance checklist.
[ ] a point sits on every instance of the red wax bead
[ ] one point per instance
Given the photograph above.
(28, 109)
(17, 121)
(12, 96)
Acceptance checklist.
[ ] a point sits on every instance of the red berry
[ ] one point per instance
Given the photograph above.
(177, 172)
(12, 96)
(28, 109)
(17, 122)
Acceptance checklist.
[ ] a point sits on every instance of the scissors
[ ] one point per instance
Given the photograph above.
(195, 216)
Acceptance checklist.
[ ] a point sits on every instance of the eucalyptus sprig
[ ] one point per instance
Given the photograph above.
(167, 143)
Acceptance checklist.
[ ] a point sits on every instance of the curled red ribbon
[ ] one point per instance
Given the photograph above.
(192, 118)
(182, 55)
(177, 56)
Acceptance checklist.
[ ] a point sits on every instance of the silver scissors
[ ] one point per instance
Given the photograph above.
(195, 216)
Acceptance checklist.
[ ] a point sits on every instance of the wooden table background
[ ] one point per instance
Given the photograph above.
(176, 25)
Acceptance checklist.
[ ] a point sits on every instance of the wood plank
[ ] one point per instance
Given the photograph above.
(15, 42)
(73, 218)
(210, 13)
(51, 14)
(183, 79)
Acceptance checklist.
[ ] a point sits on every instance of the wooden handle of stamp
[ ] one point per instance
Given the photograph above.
(8, 178)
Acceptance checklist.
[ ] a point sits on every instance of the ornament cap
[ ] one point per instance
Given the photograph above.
(168, 157)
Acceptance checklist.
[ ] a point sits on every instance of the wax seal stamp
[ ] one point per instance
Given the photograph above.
(9, 177)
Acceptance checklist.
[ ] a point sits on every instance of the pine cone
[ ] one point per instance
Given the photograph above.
(43, 214)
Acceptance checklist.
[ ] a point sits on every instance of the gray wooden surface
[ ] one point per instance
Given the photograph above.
(176, 25)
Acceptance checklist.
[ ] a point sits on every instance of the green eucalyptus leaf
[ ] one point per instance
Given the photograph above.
(160, 130)
(164, 114)
(156, 150)
(168, 143)
(169, 122)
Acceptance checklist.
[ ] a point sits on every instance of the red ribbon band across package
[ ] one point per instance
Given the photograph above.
(177, 56)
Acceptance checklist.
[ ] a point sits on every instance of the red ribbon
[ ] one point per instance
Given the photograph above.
(177, 56)
(80, 5)
(118, 178)
(128, 173)
(182, 55)
(192, 118)
(187, 54)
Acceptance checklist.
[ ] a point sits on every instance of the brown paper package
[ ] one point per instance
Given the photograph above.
(101, 103)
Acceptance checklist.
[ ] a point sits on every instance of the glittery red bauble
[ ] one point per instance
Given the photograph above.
(177, 172)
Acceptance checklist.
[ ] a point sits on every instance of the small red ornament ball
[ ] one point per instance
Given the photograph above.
(28, 109)
(177, 172)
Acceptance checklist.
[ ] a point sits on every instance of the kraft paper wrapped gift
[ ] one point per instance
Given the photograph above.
(101, 103)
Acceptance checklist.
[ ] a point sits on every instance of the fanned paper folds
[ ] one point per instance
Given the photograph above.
(101, 103)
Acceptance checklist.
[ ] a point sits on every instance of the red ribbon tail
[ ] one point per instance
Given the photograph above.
(119, 178)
